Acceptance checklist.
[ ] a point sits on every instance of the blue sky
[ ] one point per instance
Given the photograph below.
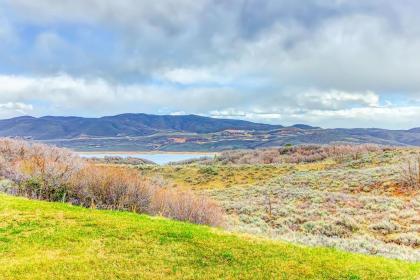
(334, 63)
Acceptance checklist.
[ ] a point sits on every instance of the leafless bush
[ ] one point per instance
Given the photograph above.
(385, 227)
(110, 188)
(39, 170)
(121, 160)
(54, 174)
(185, 206)
(410, 173)
(407, 239)
(295, 154)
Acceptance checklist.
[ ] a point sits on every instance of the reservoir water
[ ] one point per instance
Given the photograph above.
(159, 158)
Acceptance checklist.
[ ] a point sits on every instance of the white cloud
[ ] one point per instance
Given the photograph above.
(388, 117)
(328, 63)
(192, 76)
(346, 45)
(350, 53)
(16, 106)
(11, 109)
(63, 94)
(66, 95)
(403, 117)
(125, 13)
(334, 99)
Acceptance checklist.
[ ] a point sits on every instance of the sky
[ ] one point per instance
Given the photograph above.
(336, 63)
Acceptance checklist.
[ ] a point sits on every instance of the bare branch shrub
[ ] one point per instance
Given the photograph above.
(410, 173)
(294, 154)
(55, 174)
(108, 187)
(39, 170)
(185, 206)
(120, 160)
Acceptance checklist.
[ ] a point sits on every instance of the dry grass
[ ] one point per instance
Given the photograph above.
(197, 177)
(410, 175)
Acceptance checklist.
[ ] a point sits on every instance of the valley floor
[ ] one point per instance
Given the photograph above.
(44, 240)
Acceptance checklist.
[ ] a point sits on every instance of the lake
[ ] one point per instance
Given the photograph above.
(159, 158)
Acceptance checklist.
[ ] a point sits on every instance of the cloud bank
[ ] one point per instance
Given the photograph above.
(326, 63)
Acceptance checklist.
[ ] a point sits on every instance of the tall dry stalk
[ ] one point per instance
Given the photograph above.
(411, 173)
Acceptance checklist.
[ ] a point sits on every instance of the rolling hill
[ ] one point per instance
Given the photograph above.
(143, 132)
(45, 240)
(116, 126)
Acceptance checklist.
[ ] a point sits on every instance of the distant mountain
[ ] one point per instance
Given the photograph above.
(304, 126)
(49, 127)
(142, 132)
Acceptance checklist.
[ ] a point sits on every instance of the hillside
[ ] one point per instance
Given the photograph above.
(142, 132)
(121, 125)
(355, 198)
(43, 240)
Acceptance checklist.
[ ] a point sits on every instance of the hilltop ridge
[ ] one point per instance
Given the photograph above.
(144, 132)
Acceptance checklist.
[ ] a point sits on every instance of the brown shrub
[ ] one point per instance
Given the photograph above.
(110, 188)
(407, 239)
(295, 154)
(121, 160)
(55, 174)
(39, 170)
(185, 206)
(410, 173)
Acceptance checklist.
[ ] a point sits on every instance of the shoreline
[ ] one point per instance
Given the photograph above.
(145, 152)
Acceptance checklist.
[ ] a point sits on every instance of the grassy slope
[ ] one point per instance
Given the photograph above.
(198, 177)
(351, 203)
(41, 240)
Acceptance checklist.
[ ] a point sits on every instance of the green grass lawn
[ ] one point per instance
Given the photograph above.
(41, 240)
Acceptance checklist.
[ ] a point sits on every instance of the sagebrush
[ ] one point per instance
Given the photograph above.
(410, 175)
(294, 154)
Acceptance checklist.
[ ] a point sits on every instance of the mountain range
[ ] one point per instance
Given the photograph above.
(186, 133)
(50, 127)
